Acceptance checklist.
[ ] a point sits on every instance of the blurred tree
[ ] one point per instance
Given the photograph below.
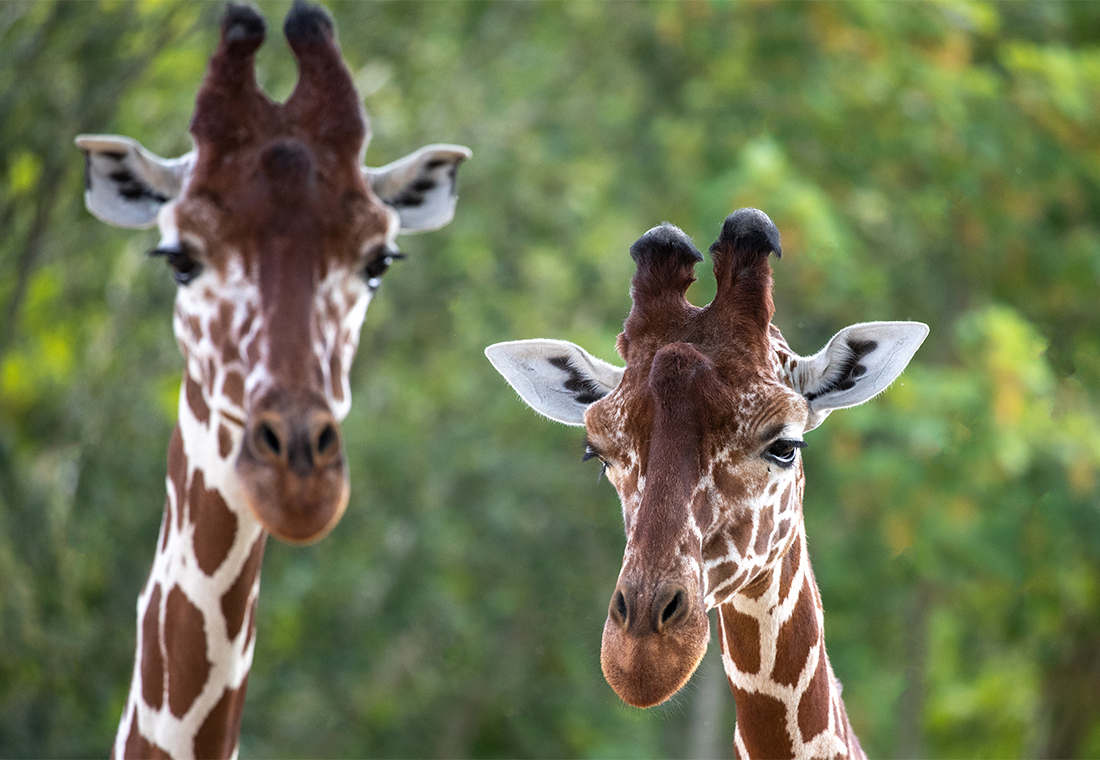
(936, 161)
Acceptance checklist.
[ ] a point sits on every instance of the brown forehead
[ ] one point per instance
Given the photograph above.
(741, 405)
(281, 187)
(280, 175)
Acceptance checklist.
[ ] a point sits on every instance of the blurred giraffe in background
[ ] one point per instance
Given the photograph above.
(278, 238)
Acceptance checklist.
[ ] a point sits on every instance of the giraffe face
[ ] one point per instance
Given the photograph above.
(705, 461)
(700, 434)
(278, 238)
(729, 469)
(277, 244)
(689, 438)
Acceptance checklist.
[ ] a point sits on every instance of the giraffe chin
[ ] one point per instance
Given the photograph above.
(646, 670)
(295, 509)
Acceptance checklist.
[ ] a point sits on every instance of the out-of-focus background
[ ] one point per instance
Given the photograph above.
(933, 161)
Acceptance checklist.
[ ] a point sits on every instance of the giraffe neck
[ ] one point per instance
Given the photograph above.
(196, 622)
(773, 650)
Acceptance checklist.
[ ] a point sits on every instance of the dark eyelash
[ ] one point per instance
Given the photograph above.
(378, 266)
(590, 453)
(787, 458)
(182, 261)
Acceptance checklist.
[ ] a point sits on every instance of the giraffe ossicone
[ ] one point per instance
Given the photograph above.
(278, 238)
(701, 433)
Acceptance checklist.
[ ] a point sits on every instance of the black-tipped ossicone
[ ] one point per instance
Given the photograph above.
(665, 242)
(749, 231)
(665, 259)
(307, 22)
(243, 28)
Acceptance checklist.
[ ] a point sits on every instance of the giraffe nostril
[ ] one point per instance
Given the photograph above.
(619, 611)
(670, 609)
(267, 440)
(324, 441)
(327, 439)
(305, 440)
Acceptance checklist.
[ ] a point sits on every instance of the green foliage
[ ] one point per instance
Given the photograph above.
(935, 161)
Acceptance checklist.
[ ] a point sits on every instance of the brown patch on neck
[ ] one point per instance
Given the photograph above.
(185, 642)
(251, 621)
(138, 746)
(219, 734)
(234, 602)
(769, 716)
(757, 587)
(152, 659)
(740, 639)
(193, 325)
(215, 525)
(231, 351)
(796, 638)
(813, 707)
(718, 574)
(165, 526)
(220, 328)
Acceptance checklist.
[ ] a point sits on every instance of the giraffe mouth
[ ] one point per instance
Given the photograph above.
(653, 640)
(295, 509)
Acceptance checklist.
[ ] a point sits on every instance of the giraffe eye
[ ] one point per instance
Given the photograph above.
(783, 451)
(383, 257)
(185, 267)
(590, 453)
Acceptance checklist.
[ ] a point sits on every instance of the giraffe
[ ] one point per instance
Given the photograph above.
(277, 238)
(701, 435)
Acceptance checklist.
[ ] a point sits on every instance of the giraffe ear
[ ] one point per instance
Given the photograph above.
(124, 184)
(857, 364)
(421, 187)
(557, 379)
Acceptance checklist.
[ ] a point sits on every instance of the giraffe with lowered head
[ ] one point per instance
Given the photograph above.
(701, 435)
(278, 238)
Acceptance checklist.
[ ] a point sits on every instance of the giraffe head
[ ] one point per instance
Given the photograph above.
(700, 434)
(277, 237)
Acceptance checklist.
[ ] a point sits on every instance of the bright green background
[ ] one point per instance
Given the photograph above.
(929, 161)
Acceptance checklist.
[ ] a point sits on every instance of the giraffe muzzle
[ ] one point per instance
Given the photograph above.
(654, 638)
(293, 470)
